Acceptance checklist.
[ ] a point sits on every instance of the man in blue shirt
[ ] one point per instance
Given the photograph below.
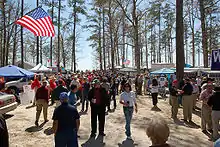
(72, 95)
(66, 122)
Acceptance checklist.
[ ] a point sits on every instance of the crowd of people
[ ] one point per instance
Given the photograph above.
(100, 89)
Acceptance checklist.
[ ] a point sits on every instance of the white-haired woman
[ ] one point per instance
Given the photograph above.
(154, 129)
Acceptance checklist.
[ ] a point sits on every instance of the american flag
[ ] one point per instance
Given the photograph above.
(126, 62)
(38, 22)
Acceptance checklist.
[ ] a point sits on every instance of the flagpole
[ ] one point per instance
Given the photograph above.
(17, 19)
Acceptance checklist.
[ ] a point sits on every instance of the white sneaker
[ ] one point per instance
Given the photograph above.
(129, 138)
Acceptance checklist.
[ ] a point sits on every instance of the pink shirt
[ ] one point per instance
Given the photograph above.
(205, 95)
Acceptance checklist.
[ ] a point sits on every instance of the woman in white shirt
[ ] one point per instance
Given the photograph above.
(154, 91)
(128, 100)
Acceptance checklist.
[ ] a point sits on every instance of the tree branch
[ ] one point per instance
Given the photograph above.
(125, 12)
(141, 16)
(212, 5)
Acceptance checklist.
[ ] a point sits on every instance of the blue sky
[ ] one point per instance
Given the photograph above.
(85, 51)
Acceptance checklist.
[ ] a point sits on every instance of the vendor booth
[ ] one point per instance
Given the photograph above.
(40, 68)
(163, 71)
(12, 71)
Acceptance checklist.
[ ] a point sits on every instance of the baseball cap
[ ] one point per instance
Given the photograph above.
(175, 82)
(64, 95)
(96, 81)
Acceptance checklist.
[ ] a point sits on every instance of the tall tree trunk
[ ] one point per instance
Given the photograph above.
(100, 40)
(146, 41)
(151, 44)
(1, 47)
(170, 47)
(4, 31)
(103, 37)
(186, 44)
(141, 50)
(73, 67)
(133, 53)
(38, 43)
(136, 37)
(22, 48)
(123, 40)
(193, 32)
(165, 51)
(193, 47)
(159, 55)
(58, 58)
(210, 34)
(9, 34)
(109, 58)
(126, 51)
(111, 38)
(199, 58)
(14, 46)
(25, 52)
(179, 40)
(63, 51)
(117, 49)
(51, 38)
(204, 33)
(116, 54)
(41, 50)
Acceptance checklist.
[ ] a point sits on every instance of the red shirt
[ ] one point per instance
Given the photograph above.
(35, 83)
(97, 96)
(42, 93)
(53, 85)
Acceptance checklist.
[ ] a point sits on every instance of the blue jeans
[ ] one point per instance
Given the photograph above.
(128, 112)
(180, 100)
(66, 139)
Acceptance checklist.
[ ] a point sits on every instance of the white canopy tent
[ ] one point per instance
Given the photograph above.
(40, 68)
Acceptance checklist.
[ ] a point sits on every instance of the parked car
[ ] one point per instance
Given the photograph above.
(16, 86)
(7, 103)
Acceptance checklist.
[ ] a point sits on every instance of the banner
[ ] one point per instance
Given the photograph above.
(215, 60)
(27, 96)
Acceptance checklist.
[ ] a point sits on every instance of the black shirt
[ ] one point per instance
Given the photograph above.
(123, 82)
(188, 89)
(66, 116)
(214, 101)
(173, 91)
(3, 133)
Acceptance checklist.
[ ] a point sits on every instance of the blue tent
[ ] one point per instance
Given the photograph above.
(15, 72)
(163, 71)
(188, 65)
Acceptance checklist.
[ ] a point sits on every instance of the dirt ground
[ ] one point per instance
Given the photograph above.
(23, 133)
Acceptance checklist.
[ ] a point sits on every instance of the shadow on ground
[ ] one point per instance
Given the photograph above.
(7, 116)
(92, 142)
(48, 131)
(33, 129)
(127, 143)
(31, 106)
(155, 109)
